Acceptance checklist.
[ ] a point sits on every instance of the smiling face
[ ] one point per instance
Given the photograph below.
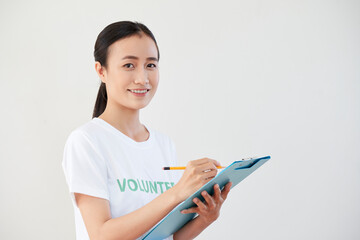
(131, 75)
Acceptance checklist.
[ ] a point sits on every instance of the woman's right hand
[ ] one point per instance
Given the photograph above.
(197, 173)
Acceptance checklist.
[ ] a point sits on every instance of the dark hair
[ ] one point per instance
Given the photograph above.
(108, 36)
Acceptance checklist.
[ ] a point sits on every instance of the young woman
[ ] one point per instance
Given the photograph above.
(113, 163)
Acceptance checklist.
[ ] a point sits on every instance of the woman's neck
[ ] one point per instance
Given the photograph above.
(126, 121)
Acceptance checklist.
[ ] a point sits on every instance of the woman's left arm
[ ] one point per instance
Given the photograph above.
(207, 211)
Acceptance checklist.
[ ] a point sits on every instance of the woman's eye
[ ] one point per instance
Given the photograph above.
(129, 65)
(151, 65)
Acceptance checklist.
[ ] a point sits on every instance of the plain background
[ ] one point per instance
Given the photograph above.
(237, 79)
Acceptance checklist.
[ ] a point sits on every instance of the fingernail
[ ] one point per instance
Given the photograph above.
(204, 193)
(196, 200)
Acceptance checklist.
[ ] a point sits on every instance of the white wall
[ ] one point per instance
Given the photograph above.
(238, 78)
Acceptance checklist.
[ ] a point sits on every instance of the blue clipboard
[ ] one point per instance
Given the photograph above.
(235, 173)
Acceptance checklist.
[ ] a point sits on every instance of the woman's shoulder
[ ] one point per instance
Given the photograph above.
(87, 130)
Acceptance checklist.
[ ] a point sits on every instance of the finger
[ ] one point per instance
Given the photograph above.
(209, 200)
(190, 210)
(200, 204)
(209, 166)
(199, 161)
(217, 193)
(217, 163)
(226, 190)
(209, 174)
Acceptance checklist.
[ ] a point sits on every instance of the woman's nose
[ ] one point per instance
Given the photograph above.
(141, 77)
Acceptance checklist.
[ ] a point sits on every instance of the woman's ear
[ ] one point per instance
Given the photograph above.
(100, 70)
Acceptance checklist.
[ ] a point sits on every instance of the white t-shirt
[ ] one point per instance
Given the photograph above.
(101, 161)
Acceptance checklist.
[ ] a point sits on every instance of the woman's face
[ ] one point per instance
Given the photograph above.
(132, 74)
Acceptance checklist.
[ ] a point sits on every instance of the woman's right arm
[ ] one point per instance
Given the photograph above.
(96, 211)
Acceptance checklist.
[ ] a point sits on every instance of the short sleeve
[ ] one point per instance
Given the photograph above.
(85, 170)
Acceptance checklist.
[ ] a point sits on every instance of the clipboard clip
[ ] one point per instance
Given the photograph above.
(249, 158)
(244, 165)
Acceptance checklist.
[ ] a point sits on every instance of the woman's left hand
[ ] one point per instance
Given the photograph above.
(209, 210)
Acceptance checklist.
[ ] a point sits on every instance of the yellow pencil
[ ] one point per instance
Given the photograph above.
(183, 168)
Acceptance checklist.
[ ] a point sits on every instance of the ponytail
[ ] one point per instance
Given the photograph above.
(101, 101)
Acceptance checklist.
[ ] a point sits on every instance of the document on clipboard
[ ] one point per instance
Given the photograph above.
(235, 173)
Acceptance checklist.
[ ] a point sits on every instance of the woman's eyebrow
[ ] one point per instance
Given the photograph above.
(134, 57)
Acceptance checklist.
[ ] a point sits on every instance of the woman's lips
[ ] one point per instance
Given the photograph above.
(139, 92)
